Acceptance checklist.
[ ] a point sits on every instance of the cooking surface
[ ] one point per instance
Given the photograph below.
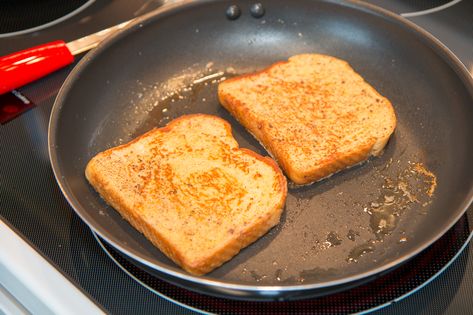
(30, 193)
(380, 291)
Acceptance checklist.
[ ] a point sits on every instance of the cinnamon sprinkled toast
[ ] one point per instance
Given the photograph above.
(191, 190)
(313, 113)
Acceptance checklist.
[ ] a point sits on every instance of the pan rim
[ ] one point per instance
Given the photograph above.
(444, 53)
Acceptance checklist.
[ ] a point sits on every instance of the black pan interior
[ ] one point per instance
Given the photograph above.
(135, 81)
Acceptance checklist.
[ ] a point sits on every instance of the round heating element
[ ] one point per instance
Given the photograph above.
(409, 6)
(21, 17)
(381, 292)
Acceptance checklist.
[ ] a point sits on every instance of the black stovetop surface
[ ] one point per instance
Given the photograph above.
(32, 204)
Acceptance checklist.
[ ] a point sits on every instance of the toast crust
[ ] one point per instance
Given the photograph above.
(174, 238)
(254, 100)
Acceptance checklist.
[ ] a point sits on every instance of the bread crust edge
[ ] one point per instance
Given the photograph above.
(224, 252)
(374, 147)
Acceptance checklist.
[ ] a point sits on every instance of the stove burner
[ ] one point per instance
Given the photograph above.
(420, 5)
(20, 17)
(441, 6)
(385, 290)
(409, 6)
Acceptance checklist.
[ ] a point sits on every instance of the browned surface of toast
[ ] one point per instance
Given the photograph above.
(313, 113)
(191, 190)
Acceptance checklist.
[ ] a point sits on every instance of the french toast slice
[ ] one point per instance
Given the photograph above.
(313, 113)
(191, 190)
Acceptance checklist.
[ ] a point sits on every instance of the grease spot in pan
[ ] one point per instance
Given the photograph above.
(333, 239)
(413, 185)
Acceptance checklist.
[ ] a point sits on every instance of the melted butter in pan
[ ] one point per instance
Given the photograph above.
(413, 185)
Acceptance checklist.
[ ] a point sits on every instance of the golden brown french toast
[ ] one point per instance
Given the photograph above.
(313, 113)
(191, 190)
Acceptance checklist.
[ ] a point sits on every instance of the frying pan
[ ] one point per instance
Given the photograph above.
(333, 234)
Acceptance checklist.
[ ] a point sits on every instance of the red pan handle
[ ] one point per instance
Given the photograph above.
(28, 65)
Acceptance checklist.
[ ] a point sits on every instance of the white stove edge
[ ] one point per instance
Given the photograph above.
(30, 284)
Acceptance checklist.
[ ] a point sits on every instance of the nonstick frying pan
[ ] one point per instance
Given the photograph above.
(333, 234)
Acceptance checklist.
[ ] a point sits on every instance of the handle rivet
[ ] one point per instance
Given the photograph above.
(257, 10)
(233, 12)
